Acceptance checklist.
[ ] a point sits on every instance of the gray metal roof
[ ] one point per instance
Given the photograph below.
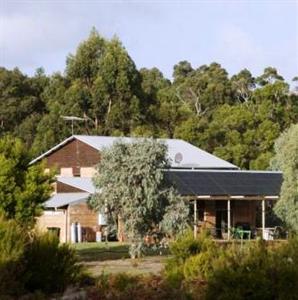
(82, 183)
(63, 199)
(189, 155)
(224, 182)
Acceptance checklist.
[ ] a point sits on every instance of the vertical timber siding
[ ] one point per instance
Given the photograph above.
(75, 155)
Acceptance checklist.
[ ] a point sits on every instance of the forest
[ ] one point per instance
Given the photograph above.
(237, 117)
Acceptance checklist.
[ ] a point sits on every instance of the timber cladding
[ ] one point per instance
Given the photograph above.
(75, 154)
(65, 188)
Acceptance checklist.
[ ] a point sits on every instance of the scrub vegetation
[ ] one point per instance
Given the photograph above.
(34, 262)
(202, 269)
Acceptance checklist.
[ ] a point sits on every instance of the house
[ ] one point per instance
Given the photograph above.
(222, 196)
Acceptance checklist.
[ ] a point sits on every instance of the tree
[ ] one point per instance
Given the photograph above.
(270, 75)
(85, 64)
(238, 134)
(204, 89)
(117, 90)
(21, 104)
(23, 188)
(243, 84)
(286, 160)
(132, 186)
(295, 82)
(182, 70)
(52, 128)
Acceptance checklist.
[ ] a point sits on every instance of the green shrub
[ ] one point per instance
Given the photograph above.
(125, 286)
(284, 270)
(173, 272)
(34, 264)
(12, 244)
(50, 267)
(256, 272)
(186, 245)
(200, 266)
(192, 257)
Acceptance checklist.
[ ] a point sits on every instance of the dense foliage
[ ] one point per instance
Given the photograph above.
(131, 186)
(236, 117)
(33, 263)
(23, 188)
(255, 270)
(286, 160)
(12, 240)
(49, 265)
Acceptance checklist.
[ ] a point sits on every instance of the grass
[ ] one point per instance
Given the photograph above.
(142, 266)
(101, 251)
(113, 257)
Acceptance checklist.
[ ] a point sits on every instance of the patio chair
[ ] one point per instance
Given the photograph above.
(277, 233)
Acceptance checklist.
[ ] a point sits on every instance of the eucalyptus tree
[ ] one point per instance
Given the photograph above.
(269, 76)
(243, 85)
(21, 104)
(181, 71)
(286, 160)
(117, 90)
(132, 186)
(204, 89)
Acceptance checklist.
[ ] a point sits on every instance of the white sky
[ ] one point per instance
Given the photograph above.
(237, 34)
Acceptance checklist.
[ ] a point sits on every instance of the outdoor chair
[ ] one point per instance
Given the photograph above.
(277, 233)
(241, 231)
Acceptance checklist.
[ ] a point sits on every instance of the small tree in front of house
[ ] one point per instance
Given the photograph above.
(133, 187)
(23, 188)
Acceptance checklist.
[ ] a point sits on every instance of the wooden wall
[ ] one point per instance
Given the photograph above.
(242, 211)
(65, 188)
(75, 155)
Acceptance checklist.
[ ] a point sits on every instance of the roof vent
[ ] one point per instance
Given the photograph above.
(178, 158)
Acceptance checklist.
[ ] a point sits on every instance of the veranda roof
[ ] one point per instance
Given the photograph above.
(191, 183)
(225, 182)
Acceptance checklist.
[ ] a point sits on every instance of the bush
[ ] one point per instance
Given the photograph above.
(189, 254)
(185, 246)
(257, 272)
(32, 264)
(173, 272)
(124, 286)
(50, 267)
(200, 266)
(12, 245)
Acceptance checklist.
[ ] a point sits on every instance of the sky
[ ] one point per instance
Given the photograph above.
(237, 34)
